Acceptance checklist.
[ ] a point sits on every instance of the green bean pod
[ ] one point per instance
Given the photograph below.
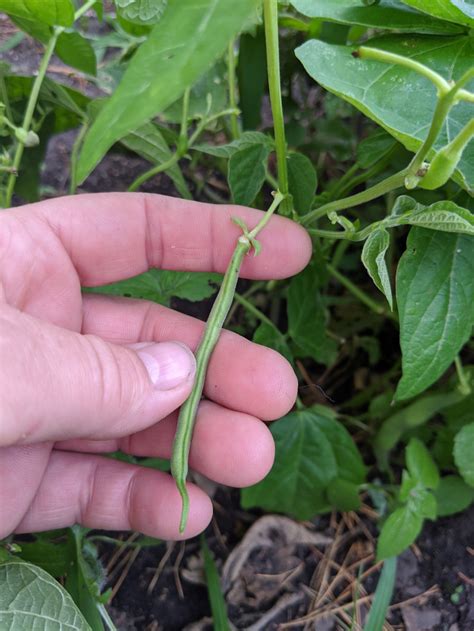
(187, 415)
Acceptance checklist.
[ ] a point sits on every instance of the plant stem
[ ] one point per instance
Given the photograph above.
(234, 124)
(464, 386)
(384, 56)
(385, 186)
(30, 108)
(159, 168)
(270, 12)
(85, 7)
(251, 308)
(359, 294)
(278, 198)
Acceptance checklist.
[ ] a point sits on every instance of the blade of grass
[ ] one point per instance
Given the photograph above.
(216, 597)
(383, 596)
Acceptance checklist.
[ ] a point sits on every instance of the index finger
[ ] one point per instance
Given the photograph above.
(111, 236)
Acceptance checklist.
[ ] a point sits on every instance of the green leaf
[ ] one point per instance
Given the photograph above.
(216, 597)
(142, 11)
(464, 451)
(412, 416)
(302, 181)
(148, 142)
(373, 148)
(453, 495)
(398, 532)
(383, 596)
(460, 11)
(390, 14)
(247, 170)
(270, 336)
(312, 449)
(307, 318)
(77, 52)
(444, 215)
(373, 258)
(162, 285)
(421, 465)
(435, 296)
(384, 93)
(343, 495)
(52, 12)
(31, 599)
(247, 139)
(184, 43)
(54, 558)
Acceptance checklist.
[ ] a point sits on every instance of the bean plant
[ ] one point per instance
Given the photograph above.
(357, 117)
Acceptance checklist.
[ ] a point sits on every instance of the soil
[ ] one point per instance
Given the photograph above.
(282, 577)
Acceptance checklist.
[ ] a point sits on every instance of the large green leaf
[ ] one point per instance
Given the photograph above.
(147, 141)
(385, 93)
(460, 11)
(390, 14)
(52, 12)
(444, 215)
(76, 51)
(312, 449)
(162, 285)
(183, 45)
(245, 140)
(435, 295)
(30, 598)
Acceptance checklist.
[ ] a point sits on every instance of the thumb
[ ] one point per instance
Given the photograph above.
(56, 384)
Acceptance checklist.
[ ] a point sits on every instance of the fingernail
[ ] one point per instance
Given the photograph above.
(169, 364)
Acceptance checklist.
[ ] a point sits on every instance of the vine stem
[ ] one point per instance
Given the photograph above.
(359, 294)
(33, 99)
(270, 13)
(464, 386)
(234, 124)
(385, 186)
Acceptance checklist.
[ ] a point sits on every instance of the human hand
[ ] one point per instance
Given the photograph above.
(82, 375)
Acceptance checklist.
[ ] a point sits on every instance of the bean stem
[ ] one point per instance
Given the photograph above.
(212, 331)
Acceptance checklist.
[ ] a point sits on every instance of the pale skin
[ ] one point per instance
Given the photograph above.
(74, 382)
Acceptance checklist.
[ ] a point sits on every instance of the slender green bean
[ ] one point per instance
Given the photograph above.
(215, 322)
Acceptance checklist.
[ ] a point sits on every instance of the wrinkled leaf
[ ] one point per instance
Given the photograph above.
(184, 43)
(464, 453)
(77, 52)
(312, 449)
(460, 11)
(390, 14)
(32, 599)
(162, 285)
(398, 532)
(141, 11)
(453, 495)
(385, 92)
(444, 215)
(421, 465)
(302, 181)
(247, 170)
(373, 258)
(435, 296)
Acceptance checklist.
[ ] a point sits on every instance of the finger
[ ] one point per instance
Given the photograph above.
(110, 236)
(242, 375)
(21, 472)
(228, 447)
(103, 493)
(57, 384)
